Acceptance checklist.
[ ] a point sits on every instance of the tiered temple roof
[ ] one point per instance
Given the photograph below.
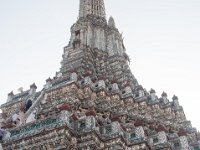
(94, 101)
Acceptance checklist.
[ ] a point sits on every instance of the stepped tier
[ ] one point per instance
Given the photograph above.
(94, 102)
(74, 114)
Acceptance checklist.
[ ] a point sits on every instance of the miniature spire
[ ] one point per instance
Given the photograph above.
(175, 100)
(92, 7)
(152, 91)
(164, 95)
(111, 22)
(33, 86)
(10, 96)
(164, 98)
(153, 95)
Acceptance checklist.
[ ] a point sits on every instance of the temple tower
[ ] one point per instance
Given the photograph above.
(94, 102)
(97, 45)
(92, 7)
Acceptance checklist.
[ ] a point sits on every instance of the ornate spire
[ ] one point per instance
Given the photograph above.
(111, 22)
(92, 7)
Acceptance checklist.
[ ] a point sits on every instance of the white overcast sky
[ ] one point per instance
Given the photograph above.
(162, 37)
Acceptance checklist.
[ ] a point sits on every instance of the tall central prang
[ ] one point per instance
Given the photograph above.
(96, 47)
(94, 102)
(92, 7)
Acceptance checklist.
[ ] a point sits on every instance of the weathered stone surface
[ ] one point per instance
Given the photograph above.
(94, 102)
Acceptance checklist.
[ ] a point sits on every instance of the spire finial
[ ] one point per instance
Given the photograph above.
(92, 7)
(111, 22)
